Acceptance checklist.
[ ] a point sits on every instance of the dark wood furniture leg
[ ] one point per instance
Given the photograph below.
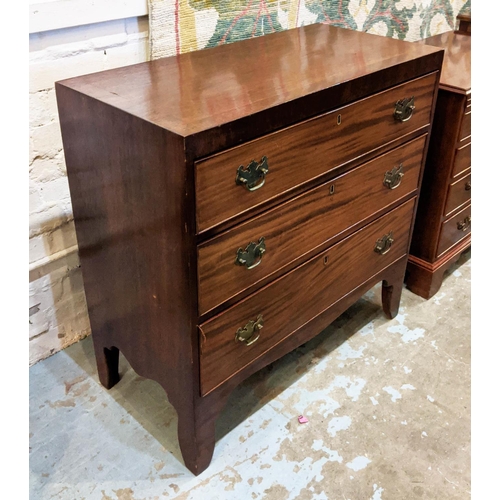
(424, 278)
(196, 429)
(107, 364)
(392, 288)
(196, 440)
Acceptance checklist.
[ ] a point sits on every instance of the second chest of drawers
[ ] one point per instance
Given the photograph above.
(231, 203)
(443, 223)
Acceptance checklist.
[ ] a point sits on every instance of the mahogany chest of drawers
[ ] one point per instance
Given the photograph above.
(231, 203)
(443, 223)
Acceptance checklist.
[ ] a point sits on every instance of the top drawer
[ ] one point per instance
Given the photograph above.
(303, 152)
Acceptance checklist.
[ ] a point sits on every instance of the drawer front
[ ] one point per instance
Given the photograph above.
(462, 160)
(232, 340)
(303, 224)
(454, 230)
(303, 152)
(465, 129)
(459, 193)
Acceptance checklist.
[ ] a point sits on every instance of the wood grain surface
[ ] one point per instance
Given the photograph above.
(132, 247)
(456, 71)
(459, 193)
(437, 242)
(462, 160)
(465, 129)
(304, 225)
(424, 278)
(437, 174)
(303, 152)
(291, 301)
(201, 90)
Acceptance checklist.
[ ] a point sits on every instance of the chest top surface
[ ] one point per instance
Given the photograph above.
(198, 91)
(456, 71)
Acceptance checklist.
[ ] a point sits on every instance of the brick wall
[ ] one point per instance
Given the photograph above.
(58, 315)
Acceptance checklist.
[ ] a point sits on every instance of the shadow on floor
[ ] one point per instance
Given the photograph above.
(147, 403)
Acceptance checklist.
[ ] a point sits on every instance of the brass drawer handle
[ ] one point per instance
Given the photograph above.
(250, 333)
(252, 255)
(392, 178)
(403, 110)
(383, 244)
(253, 176)
(468, 186)
(463, 225)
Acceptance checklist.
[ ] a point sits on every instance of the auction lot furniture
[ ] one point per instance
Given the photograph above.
(231, 203)
(443, 224)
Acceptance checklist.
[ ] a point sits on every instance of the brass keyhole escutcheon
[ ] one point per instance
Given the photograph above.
(383, 245)
(339, 119)
(325, 260)
(250, 333)
(332, 189)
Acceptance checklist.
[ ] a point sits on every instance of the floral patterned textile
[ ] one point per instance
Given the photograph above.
(178, 26)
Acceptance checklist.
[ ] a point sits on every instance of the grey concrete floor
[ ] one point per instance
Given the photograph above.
(388, 404)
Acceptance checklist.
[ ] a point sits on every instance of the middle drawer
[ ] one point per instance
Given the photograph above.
(236, 260)
(459, 193)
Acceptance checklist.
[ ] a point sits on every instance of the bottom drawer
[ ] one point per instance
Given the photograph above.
(239, 335)
(454, 230)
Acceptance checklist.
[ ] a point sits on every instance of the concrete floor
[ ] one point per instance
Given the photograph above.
(388, 404)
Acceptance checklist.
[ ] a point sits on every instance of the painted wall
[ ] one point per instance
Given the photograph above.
(60, 48)
(75, 37)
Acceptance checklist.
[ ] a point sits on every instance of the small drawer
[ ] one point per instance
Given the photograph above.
(454, 230)
(459, 193)
(462, 160)
(238, 180)
(303, 224)
(238, 336)
(465, 129)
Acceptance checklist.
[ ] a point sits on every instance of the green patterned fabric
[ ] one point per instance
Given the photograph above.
(178, 26)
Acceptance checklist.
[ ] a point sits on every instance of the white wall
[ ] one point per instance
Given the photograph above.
(114, 33)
